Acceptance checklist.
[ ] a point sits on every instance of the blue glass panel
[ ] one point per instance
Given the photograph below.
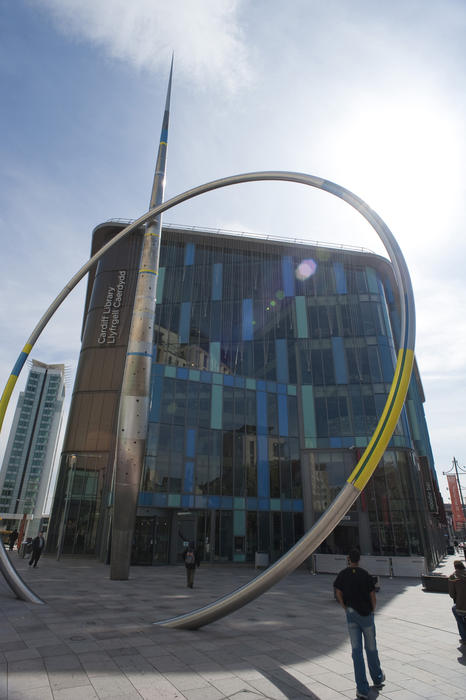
(159, 499)
(340, 278)
(281, 388)
(214, 502)
(191, 443)
(301, 317)
(261, 385)
(189, 254)
(188, 485)
(160, 283)
(288, 275)
(263, 479)
(261, 413)
(228, 380)
(182, 373)
(335, 442)
(157, 370)
(339, 361)
(281, 355)
(226, 503)
(239, 381)
(282, 414)
(217, 281)
(387, 363)
(297, 505)
(263, 504)
(187, 501)
(252, 504)
(272, 387)
(347, 441)
(200, 501)
(247, 328)
(206, 377)
(214, 357)
(185, 317)
(286, 504)
(156, 395)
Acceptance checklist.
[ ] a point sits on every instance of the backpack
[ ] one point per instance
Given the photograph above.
(190, 559)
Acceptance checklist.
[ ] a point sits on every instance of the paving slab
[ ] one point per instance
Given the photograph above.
(95, 639)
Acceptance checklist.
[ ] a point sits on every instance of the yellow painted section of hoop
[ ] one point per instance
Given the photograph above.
(387, 423)
(10, 385)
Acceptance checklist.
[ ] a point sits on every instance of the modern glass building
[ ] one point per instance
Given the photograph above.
(272, 363)
(26, 476)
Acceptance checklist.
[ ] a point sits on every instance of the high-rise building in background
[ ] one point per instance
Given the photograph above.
(27, 477)
(272, 364)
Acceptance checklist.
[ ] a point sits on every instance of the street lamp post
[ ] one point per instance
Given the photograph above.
(458, 471)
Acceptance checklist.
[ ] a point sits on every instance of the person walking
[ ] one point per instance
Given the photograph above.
(191, 560)
(13, 538)
(355, 591)
(457, 591)
(38, 544)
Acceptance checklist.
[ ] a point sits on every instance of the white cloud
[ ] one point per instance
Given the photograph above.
(205, 35)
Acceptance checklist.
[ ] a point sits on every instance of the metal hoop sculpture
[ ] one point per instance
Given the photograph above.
(372, 454)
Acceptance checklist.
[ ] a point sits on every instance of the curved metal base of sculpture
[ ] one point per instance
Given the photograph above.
(371, 456)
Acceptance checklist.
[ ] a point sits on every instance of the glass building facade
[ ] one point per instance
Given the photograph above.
(272, 364)
(25, 478)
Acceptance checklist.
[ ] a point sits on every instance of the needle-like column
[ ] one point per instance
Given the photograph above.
(135, 392)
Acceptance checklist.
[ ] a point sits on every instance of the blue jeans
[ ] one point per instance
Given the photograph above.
(460, 621)
(360, 626)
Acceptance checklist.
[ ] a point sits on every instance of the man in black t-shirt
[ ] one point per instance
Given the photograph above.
(355, 591)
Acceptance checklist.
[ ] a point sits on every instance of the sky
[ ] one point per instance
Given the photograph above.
(369, 95)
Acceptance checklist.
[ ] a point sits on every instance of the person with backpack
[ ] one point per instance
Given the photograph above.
(457, 591)
(191, 560)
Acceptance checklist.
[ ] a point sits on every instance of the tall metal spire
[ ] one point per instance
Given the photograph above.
(135, 391)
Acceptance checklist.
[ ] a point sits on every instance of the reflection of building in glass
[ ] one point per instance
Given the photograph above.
(26, 478)
(272, 365)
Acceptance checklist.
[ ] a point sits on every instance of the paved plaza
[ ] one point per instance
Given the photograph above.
(95, 638)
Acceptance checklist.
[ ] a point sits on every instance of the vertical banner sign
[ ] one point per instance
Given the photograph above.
(456, 507)
(428, 485)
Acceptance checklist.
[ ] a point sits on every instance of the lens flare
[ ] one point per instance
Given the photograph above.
(306, 269)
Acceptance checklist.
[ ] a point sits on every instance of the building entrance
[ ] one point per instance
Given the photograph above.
(151, 540)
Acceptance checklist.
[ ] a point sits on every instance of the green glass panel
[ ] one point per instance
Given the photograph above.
(216, 407)
(194, 375)
(217, 379)
(239, 523)
(301, 317)
(372, 280)
(174, 500)
(309, 417)
(413, 419)
(310, 443)
(360, 441)
(291, 390)
(239, 503)
(251, 384)
(160, 283)
(214, 357)
(275, 504)
(170, 371)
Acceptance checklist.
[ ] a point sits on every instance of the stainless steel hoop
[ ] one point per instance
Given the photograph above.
(371, 456)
